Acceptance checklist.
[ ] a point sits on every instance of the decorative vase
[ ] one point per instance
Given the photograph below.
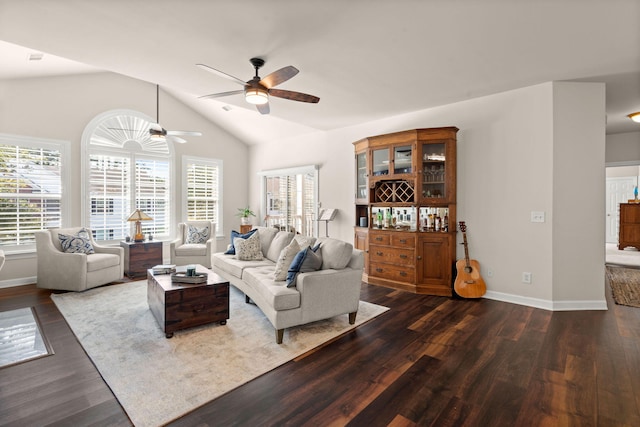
(244, 220)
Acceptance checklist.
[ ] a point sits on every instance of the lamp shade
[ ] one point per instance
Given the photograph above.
(138, 215)
(257, 96)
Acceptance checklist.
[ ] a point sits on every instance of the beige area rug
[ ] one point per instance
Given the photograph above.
(625, 285)
(156, 379)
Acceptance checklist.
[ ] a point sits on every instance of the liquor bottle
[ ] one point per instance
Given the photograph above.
(438, 223)
(445, 222)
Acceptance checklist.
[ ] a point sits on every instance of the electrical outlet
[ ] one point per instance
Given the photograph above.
(526, 277)
(537, 216)
(489, 272)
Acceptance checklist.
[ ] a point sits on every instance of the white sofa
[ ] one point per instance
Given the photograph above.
(331, 291)
(75, 271)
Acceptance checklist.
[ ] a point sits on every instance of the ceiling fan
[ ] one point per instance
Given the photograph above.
(257, 91)
(158, 132)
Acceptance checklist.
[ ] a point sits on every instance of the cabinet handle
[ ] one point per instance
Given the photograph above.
(378, 238)
(418, 257)
(403, 256)
(403, 273)
(403, 240)
(379, 253)
(379, 270)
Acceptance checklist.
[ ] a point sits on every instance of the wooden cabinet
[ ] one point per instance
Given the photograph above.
(409, 204)
(139, 257)
(629, 227)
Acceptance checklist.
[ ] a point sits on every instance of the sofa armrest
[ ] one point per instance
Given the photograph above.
(327, 293)
(114, 250)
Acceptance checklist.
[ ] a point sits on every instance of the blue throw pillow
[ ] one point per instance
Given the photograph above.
(235, 235)
(79, 243)
(308, 259)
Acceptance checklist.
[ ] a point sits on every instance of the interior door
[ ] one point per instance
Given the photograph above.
(619, 190)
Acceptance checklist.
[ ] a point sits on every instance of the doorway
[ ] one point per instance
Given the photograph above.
(620, 184)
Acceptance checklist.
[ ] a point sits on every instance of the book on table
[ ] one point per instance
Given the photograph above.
(164, 269)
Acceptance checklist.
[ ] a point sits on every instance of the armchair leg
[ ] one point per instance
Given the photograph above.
(279, 335)
(352, 317)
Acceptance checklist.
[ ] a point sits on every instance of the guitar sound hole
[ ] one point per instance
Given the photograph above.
(468, 269)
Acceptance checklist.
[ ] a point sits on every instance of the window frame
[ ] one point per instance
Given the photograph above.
(299, 170)
(64, 147)
(134, 149)
(218, 163)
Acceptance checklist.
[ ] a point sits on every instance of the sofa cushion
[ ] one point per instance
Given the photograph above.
(191, 250)
(276, 293)
(280, 241)
(308, 259)
(234, 234)
(197, 235)
(304, 240)
(236, 267)
(266, 237)
(248, 249)
(335, 253)
(284, 261)
(79, 243)
(100, 261)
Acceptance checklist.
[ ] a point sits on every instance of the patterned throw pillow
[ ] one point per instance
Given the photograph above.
(80, 243)
(284, 261)
(234, 234)
(308, 259)
(197, 235)
(248, 249)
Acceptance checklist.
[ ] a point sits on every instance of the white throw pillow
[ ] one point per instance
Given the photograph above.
(284, 261)
(248, 249)
(197, 235)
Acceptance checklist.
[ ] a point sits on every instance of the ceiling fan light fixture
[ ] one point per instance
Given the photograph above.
(635, 116)
(256, 96)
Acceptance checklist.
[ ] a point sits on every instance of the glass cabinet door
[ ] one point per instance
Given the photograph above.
(402, 159)
(361, 176)
(434, 168)
(380, 162)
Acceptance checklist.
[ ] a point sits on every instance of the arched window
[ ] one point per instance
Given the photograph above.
(124, 169)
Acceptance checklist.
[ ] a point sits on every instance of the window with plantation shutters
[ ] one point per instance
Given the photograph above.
(126, 169)
(31, 188)
(202, 180)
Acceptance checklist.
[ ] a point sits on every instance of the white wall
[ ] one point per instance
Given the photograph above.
(61, 107)
(623, 148)
(506, 169)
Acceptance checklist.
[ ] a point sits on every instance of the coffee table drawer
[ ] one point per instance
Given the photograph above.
(186, 308)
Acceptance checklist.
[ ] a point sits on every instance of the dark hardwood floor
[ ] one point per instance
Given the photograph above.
(429, 361)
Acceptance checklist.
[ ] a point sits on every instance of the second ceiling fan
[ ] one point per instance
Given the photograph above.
(257, 90)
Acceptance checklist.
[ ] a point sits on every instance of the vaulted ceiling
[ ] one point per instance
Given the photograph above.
(365, 59)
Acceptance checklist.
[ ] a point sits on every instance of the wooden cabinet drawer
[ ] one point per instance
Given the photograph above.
(379, 239)
(403, 240)
(192, 307)
(391, 255)
(393, 272)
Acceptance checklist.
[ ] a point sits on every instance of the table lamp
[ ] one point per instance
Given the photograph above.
(138, 216)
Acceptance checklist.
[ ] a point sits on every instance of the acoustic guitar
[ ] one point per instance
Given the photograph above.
(469, 283)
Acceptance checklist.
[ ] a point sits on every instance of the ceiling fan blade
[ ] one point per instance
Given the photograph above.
(280, 76)
(221, 94)
(183, 133)
(293, 96)
(178, 139)
(263, 108)
(221, 74)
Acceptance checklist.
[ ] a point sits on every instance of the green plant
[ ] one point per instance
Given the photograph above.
(245, 212)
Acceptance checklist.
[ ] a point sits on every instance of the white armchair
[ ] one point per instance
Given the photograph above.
(184, 251)
(75, 271)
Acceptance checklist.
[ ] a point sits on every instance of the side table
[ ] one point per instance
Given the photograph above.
(140, 256)
(245, 228)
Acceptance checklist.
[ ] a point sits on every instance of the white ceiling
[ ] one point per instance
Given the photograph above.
(365, 59)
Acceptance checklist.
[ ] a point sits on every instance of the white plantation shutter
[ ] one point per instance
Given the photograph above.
(153, 194)
(30, 189)
(110, 195)
(202, 179)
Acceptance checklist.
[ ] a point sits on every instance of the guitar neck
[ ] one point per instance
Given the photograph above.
(466, 249)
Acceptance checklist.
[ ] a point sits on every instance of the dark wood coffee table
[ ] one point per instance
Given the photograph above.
(178, 306)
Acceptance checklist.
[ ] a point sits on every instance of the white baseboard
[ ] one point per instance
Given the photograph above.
(21, 281)
(547, 304)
